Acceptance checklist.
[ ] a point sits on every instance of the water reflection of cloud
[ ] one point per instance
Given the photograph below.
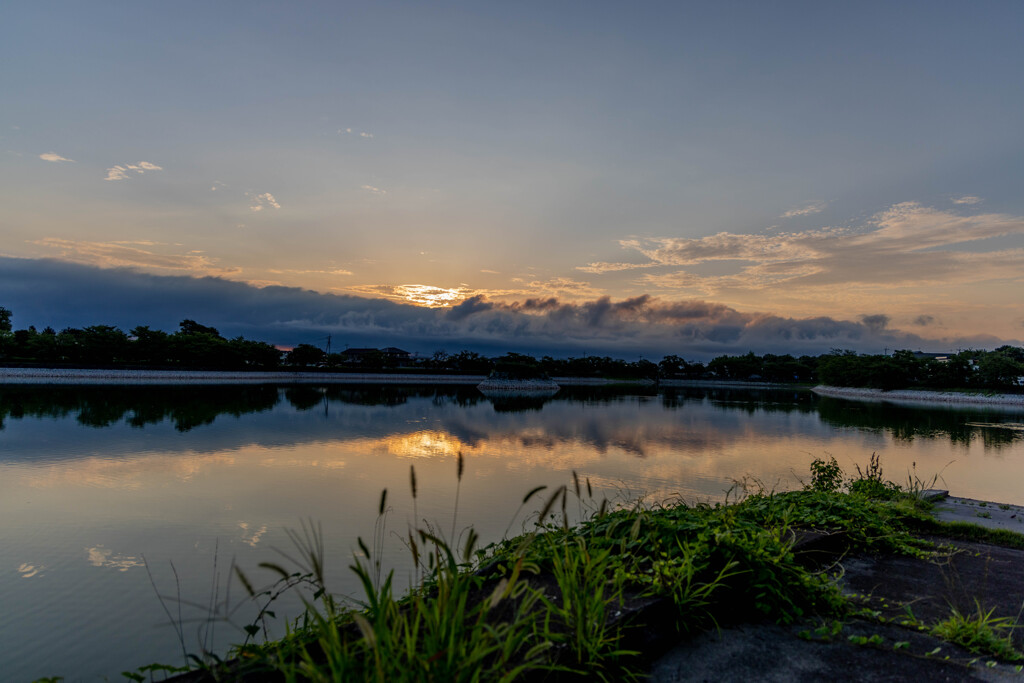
(252, 538)
(121, 473)
(28, 571)
(102, 557)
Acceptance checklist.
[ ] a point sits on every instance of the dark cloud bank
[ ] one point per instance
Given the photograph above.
(61, 294)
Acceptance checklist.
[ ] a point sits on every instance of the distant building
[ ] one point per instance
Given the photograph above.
(391, 355)
(937, 357)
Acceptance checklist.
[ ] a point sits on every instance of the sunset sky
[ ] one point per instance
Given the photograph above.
(563, 177)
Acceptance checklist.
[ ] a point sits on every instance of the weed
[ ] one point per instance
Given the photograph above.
(981, 633)
(871, 483)
(826, 477)
(579, 617)
(544, 601)
(826, 632)
(873, 639)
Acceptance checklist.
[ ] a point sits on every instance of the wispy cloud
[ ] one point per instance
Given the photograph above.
(373, 190)
(121, 171)
(307, 271)
(54, 157)
(968, 199)
(807, 209)
(603, 267)
(133, 254)
(262, 201)
(908, 244)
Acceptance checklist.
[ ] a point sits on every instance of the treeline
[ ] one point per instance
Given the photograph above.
(998, 370)
(196, 346)
(192, 346)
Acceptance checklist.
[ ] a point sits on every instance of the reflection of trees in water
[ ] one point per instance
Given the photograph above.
(186, 407)
(715, 413)
(906, 423)
(614, 393)
(518, 404)
(747, 400)
(388, 394)
(304, 397)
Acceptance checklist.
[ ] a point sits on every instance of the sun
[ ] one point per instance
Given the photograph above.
(429, 296)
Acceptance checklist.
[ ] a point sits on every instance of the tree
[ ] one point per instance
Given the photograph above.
(305, 354)
(150, 346)
(192, 327)
(5, 319)
(998, 370)
(671, 366)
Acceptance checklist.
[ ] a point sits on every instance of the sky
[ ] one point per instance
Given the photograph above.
(565, 178)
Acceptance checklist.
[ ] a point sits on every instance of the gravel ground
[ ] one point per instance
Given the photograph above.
(911, 397)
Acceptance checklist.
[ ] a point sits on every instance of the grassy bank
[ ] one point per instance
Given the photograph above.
(593, 601)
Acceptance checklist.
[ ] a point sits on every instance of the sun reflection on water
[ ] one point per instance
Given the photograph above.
(423, 444)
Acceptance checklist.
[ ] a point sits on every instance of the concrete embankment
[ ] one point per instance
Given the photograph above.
(92, 376)
(918, 397)
(906, 596)
(73, 376)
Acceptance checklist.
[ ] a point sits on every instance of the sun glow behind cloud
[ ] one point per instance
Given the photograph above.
(427, 296)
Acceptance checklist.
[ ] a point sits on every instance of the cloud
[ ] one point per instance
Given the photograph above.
(908, 244)
(373, 190)
(876, 322)
(54, 157)
(305, 271)
(262, 201)
(807, 209)
(44, 292)
(420, 295)
(600, 267)
(924, 320)
(968, 199)
(349, 131)
(131, 254)
(120, 171)
(429, 295)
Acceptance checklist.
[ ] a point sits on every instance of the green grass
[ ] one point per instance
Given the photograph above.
(981, 633)
(546, 602)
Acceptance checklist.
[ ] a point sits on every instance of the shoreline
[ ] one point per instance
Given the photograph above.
(170, 377)
(922, 397)
(84, 376)
(868, 605)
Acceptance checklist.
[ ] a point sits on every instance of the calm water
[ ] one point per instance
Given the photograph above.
(99, 484)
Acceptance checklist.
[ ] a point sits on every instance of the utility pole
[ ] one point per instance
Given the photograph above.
(328, 345)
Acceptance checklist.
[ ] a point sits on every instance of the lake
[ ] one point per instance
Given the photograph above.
(113, 495)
